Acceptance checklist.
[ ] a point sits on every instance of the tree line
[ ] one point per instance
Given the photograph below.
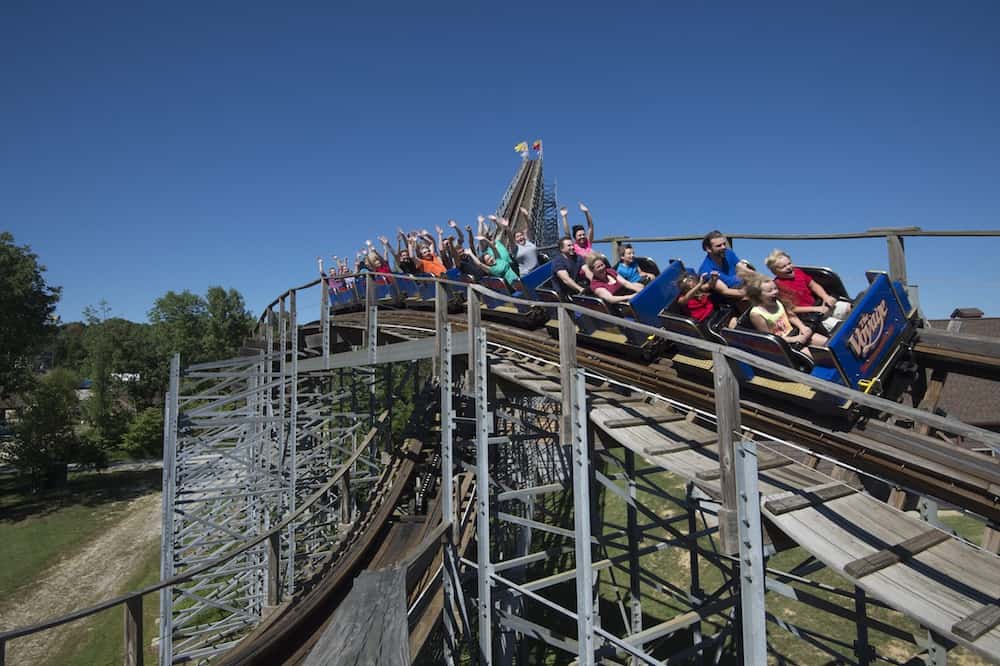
(119, 366)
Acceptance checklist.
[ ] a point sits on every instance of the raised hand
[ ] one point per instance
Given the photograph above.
(453, 224)
(491, 218)
(480, 219)
(524, 211)
(368, 243)
(468, 227)
(438, 229)
(503, 222)
(584, 208)
(564, 211)
(383, 240)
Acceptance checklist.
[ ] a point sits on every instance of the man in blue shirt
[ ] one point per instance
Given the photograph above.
(719, 258)
(565, 269)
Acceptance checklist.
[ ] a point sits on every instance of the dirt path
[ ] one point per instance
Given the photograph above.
(99, 571)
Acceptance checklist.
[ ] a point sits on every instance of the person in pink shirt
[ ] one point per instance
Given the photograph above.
(606, 284)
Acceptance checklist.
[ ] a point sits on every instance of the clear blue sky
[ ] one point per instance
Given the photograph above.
(155, 146)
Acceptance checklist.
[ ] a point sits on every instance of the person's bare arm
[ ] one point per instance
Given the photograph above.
(727, 291)
(564, 214)
(608, 297)
(759, 322)
(806, 335)
(472, 240)
(564, 276)
(504, 233)
(526, 217)
(633, 286)
(590, 222)
(821, 293)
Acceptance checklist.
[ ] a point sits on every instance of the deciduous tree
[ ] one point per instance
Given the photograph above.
(26, 307)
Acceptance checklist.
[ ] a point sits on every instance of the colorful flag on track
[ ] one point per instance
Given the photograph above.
(521, 147)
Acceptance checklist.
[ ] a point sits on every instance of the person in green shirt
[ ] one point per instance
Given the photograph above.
(496, 260)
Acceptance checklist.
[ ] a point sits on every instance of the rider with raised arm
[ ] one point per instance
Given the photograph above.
(496, 260)
(525, 252)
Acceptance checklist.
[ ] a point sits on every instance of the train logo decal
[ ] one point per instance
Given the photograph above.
(863, 343)
(868, 330)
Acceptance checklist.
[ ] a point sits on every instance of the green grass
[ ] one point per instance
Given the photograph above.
(672, 564)
(36, 530)
(98, 640)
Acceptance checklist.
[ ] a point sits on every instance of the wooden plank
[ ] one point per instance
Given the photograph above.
(977, 623)
(764, 464)
(809, 497)
(894, 554)
(693, 434)
(370, 625)
(623, 400)
(631, 421)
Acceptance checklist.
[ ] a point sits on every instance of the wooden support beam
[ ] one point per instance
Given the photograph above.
(133, 631)
(978, 623)
(727, 414)
(810, 497)
(864, 566)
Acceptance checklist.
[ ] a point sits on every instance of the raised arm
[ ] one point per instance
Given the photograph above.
(472, 240)
(388, 250)
(590, 222)
(564, 214)
(526, 216)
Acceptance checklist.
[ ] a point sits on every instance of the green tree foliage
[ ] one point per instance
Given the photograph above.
(229, 322)
(145, 434)
(179, 323)
(44, 437)
(199, 328)
(69, 350)
(26, 305)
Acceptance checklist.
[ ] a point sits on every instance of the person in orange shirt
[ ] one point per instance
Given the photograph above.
(427, 260)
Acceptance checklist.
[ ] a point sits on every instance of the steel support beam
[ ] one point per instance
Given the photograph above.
(167, 530)
(443, 329)
(485, 568)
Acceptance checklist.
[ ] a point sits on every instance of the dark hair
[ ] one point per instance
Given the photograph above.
(626, 246)
(565, 238)
(709, 237)
(577, 227)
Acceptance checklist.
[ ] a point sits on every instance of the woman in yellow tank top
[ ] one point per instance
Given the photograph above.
(768, 315)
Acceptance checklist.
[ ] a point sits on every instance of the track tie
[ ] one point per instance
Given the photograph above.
(869, 564)
(764, 464)
(978, 622)
(810, 497)
(631, 421)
